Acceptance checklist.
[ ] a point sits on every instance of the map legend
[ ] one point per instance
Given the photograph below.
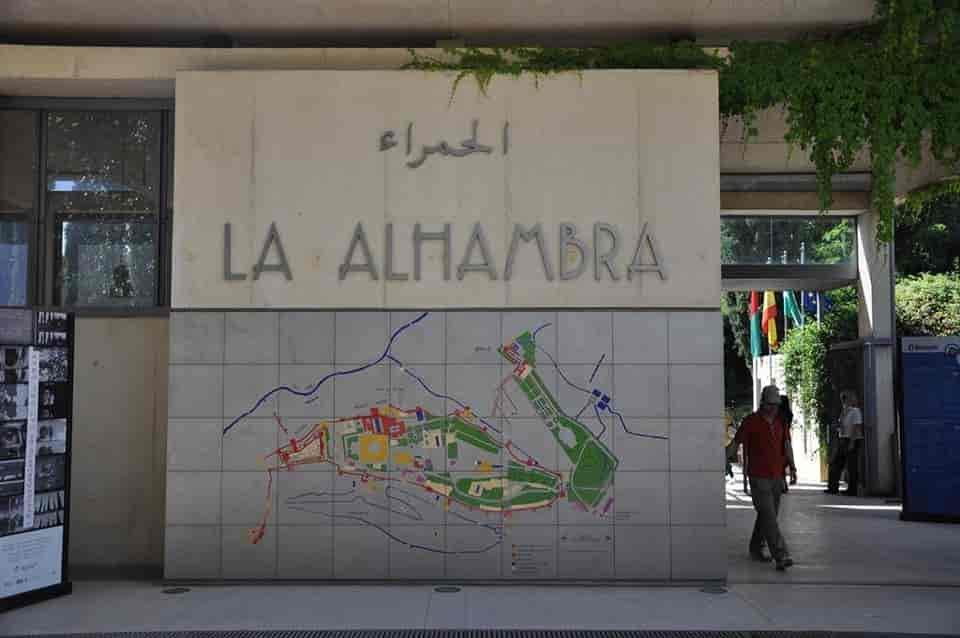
(532, 561)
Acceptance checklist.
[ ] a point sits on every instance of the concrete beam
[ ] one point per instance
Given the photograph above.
(403, 23)
(782, 203)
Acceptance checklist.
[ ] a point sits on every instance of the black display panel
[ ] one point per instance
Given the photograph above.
(36, 389)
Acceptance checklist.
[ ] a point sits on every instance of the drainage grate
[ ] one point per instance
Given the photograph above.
(484, 633)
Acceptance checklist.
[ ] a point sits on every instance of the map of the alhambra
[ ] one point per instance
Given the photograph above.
(435, 459)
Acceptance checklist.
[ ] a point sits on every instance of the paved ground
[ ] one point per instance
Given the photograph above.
(859, 568)
(131, 606)
(844, 540)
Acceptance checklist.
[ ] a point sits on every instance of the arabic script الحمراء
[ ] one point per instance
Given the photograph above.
(469, 146)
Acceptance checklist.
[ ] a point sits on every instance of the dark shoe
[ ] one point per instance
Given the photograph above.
(849, 493)
(783, 563)
(831, 491)
(759, 556)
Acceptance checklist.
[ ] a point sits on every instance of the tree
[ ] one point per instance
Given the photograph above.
(929, 305)
(735, 306)
(928, 236)
(737, 362)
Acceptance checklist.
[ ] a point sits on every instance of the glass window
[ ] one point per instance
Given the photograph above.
(18, 187)
(107, 263)
(103, 162)
(103, 191)
(822, 240)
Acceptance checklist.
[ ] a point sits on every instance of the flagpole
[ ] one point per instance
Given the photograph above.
(803, 259)
(786, 319)
(763, 298)
(767, 333)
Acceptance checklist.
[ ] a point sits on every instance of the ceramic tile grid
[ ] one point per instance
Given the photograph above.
(463, 445)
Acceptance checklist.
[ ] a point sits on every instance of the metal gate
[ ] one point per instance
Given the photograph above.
(851, 366)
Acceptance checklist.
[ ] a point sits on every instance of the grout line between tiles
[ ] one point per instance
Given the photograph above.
(223, 392)
(333, 478)
(613, 444)
(276, 432)
(669, 466)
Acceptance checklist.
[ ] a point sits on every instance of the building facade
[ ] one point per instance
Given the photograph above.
(240, 228)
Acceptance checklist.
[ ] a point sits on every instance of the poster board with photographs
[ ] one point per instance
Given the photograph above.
(36, 385)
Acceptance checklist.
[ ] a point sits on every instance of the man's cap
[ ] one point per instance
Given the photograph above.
(771, 395)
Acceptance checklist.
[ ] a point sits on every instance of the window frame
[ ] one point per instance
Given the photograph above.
(42, 259)
(30, 218)
(793, 276)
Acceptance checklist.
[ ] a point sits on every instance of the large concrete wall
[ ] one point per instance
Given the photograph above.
(636, 151)
(119, 445)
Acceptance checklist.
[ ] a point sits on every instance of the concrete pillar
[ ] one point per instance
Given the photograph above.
(875, 292)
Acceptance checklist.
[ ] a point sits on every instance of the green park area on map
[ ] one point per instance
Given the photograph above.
(525, 485)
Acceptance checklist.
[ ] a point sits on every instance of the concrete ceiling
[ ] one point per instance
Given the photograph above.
(416, 22)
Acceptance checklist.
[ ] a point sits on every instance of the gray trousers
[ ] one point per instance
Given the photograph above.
(766, 500)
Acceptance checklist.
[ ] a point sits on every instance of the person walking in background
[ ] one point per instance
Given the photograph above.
(766, 439)
(728, 433)
(787, 415)
(850, 442)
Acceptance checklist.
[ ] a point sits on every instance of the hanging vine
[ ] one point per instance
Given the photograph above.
(889, 91)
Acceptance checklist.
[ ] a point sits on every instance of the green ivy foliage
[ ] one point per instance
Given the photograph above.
(883, 91)
(916, 202)
(804, 366)
(843, 319)
(804, 353)
(886, 92)
(485, 64)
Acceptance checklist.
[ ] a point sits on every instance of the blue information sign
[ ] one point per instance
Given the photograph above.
(931, 428)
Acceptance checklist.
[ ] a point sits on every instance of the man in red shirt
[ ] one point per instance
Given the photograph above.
(766, 440)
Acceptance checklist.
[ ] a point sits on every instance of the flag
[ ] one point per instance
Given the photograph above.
(769, 320)
(810, 302)
(756, 340)
(790, 308)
